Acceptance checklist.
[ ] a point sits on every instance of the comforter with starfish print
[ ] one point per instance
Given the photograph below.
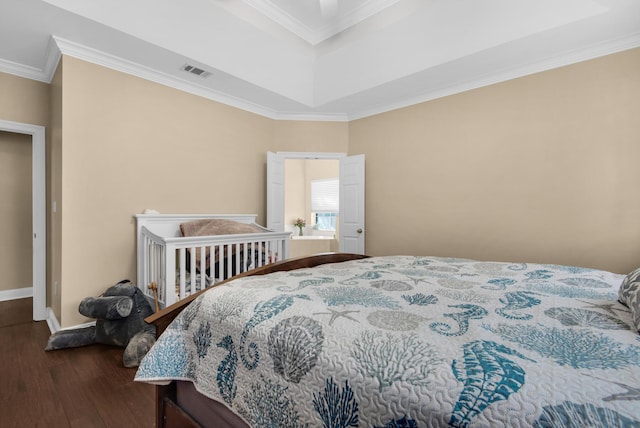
(406, 341)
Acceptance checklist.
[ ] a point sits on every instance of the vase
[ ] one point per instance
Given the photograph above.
(300, 232)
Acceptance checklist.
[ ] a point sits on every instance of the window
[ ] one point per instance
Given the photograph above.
(325, 203)
(326, 221)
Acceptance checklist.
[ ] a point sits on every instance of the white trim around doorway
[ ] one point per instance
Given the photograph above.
(39, 204)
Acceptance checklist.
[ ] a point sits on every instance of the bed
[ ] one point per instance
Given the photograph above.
(179, 254)
(340, 340)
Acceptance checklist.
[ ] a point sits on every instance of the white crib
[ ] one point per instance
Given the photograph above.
(167, 263)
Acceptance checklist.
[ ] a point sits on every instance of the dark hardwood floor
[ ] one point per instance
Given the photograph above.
(81, 387)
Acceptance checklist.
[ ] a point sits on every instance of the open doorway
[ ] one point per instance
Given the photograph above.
(38, 206)
(351, 226)
(15, 216)
(311, 194)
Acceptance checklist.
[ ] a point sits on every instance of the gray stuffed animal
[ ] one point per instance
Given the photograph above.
(119, 314)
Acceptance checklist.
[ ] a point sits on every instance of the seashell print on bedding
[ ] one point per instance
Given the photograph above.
(412, 341)
(395, 320)
(294, 346)
(390, 285)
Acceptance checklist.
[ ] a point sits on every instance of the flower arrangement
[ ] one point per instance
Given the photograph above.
(300, 223)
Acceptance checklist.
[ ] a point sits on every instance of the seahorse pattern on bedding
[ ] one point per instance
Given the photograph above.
(405, 341)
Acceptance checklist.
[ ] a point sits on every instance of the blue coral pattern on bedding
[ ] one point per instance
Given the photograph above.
(405, 341)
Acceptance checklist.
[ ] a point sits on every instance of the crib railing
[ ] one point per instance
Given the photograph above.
(183, 265)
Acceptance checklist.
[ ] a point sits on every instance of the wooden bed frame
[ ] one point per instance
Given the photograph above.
(168, 412)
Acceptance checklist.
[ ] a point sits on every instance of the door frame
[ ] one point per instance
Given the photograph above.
(295, 155)
(302, 155)
(39, 213)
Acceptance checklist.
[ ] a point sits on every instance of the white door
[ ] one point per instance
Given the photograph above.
(351, 226)
(275, 192)
(351, 218)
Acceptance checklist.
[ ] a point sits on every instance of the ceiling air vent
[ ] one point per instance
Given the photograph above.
(195, 70)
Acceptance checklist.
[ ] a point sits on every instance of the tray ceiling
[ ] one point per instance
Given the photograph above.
(316, 59)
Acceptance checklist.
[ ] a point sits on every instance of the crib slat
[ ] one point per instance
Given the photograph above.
(229, 258)
(212, 265)
(235, 259)
(153, 267)
(192, 272)
(183, 273)
(245, 257)
(259, 252)
(255, 256)
(147, 266)
(220, 254)
(203, 267)
(162, 257)
(169, 283)
(277, 249)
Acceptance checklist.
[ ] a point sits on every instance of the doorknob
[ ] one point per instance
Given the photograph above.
(359, 230)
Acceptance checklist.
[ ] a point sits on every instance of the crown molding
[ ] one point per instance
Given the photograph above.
(325, 31)
(44, 74)
(94, 56)
(565, 59)
(319, 117)
(59, 46)
(53, 58)
(113, 62)
(22, 70)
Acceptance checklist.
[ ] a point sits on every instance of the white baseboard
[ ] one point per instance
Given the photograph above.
(16, 293)
(52, 321)
(85, 325)
(54, 325)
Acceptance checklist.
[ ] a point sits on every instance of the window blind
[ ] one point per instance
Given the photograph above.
(325, 196)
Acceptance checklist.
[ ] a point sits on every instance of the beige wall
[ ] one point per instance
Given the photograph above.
(15, 211)
(24, 101)
(541, 168)
(302, 136)
(130, 144)
(295, 192)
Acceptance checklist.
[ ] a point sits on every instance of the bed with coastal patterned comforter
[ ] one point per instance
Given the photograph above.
(407, 341)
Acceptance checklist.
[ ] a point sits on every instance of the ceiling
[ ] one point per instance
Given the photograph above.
(316, 59)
